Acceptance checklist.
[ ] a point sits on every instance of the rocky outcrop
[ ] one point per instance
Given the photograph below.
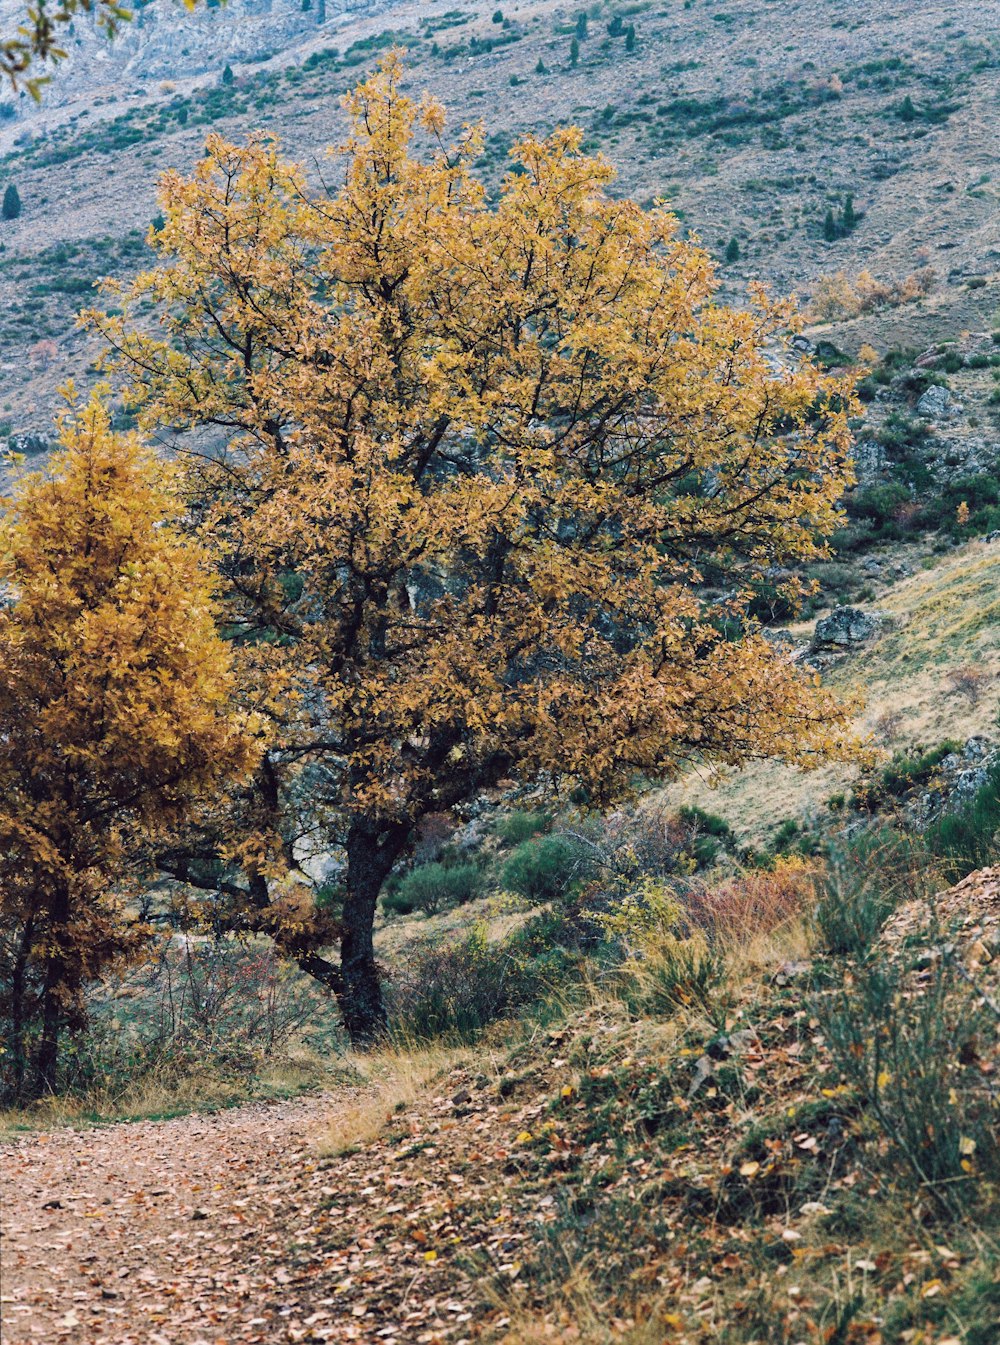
(936, 404)
(847, 628)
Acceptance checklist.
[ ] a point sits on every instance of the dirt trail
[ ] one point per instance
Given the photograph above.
(170, 1231)
(229, 1229)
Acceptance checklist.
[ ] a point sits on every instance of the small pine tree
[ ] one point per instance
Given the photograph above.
(540, 68)
(616, 27)
(11, 203)
(733, 251)
(227, 75)
(850, 217)
(498, 16)
(830, 227)
(630, 37)
(907, 112)
(581, 26)
(574, 53)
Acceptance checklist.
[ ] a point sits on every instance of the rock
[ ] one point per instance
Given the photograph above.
(870, 459)
(934, 403)
(29, 443)
(845, 627)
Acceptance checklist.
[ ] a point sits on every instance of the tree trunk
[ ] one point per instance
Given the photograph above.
(372, 849)
(53, 989)
(18, 1009)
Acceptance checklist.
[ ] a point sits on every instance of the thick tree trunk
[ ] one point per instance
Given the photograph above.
(372, 849)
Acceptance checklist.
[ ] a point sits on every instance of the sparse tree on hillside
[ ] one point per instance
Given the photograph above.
(114, 716)
(617, 26)
(581, 26)
(907, 112)
(227, 75)
(830, 232)
(480, 456)
(630, 37)
(11, 203)
(850, 217)
(574, 53)
(733, 251)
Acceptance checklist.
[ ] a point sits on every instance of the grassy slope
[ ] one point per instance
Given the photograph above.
(943, 618)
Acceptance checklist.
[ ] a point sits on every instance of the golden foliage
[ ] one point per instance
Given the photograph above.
(837, 297)
(477, 462)
(114, 704)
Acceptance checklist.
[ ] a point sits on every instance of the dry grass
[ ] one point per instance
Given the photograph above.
(162, 1092)
(391, 1081)
(579, 1317)
(945, 618)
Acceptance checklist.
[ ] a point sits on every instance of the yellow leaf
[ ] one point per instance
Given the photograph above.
(525, 1137)
(966, 1145)
(430, 1256)
(749, 1169)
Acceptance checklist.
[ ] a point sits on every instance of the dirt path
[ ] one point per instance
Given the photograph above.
(154, 1231)
(228, 1229)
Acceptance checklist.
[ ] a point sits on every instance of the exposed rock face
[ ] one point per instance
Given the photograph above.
(846, 627)
(30, 444)
(870, 460)
(935, 404)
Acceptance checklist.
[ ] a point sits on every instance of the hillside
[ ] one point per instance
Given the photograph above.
(653, 1160)
(751, 121)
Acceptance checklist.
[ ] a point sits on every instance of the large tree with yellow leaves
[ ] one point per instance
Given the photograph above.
(494, 479)
(115, 718)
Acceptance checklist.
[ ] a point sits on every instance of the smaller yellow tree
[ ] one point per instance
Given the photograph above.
(114, 719)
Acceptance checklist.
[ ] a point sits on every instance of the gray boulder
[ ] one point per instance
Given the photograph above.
(935, 403)
(845, 628)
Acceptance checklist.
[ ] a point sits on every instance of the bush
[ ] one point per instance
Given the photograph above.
(429, 887)
(546, 868)
(861, 884)
(907, 1045)
(966, 839)
(454, 990)
(516, 828)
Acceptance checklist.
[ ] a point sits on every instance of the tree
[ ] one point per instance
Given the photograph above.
(830, 231)
(907, 112)
(114, 719)
(11, 203)
(498, 16)
(850, 217)
(733, 251)
(617, 26)
(630, 37)
(581, 26)
(227, 75)
(480, 459)
(574, 53)
(540, 68)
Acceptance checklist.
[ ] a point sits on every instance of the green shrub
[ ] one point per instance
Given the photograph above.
(454, 990)
(861, 884)
(11, 203)
(518, 827)
(544, 869)
(967, 839)
(429, 887)
(909, 1050)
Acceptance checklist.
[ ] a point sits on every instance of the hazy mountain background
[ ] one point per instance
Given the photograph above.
(752, 120)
